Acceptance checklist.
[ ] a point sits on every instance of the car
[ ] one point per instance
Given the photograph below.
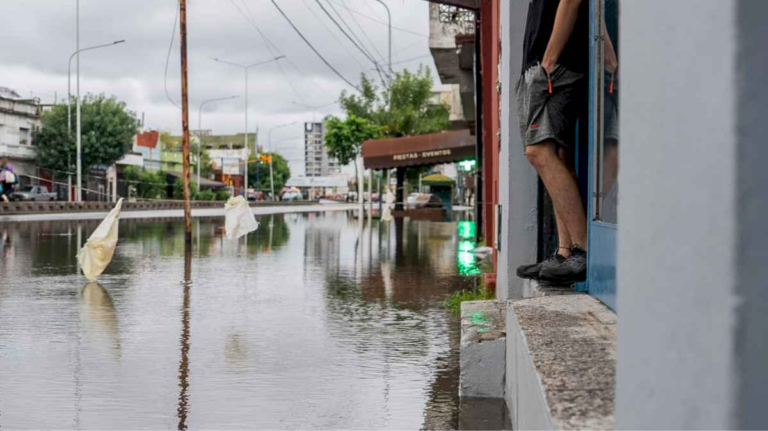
(423, 200)
(33, 193)
(291, 196)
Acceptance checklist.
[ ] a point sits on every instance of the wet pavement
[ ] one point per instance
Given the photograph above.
(313, 321)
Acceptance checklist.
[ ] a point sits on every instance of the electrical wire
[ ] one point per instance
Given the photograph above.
(404, 30)
(330, 66)
(365, 33)
(271, 46)
(334, 35)
(168, 57)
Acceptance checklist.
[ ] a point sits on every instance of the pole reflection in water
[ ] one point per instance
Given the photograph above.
(184, 362)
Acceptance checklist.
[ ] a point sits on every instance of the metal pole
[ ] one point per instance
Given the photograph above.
(389, 15)
(78, 193)
(247, 150)
(185, 125)
(370, 193)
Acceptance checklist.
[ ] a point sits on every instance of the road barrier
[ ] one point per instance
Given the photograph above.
(22, 208)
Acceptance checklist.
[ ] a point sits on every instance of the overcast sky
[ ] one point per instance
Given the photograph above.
(39, 36)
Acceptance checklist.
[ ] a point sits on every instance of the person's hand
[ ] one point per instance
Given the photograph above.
(548, 66)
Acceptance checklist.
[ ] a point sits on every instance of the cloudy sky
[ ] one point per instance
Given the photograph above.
(39, 37)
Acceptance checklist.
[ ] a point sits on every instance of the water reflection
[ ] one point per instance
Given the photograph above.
(310, 322)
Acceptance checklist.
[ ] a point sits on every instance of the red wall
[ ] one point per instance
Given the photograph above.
(489, 28)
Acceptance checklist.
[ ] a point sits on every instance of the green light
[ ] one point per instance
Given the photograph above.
(467, 229)
(468, 165)
(467, 261)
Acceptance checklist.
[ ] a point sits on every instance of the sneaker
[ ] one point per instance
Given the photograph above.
(532, 271)
(573, 270)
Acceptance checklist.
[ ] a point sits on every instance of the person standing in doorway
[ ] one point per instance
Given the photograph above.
(551, 93)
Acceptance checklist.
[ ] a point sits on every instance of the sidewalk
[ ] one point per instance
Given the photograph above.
(47, 211)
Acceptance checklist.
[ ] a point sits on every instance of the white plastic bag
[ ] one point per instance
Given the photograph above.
(239, 218)
(389, 199)
(97, 253)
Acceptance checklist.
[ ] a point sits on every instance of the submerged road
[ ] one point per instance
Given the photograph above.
(177, 213)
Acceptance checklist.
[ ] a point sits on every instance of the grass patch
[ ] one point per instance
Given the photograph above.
(454, 301)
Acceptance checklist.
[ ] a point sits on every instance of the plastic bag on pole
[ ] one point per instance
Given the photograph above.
(389, 199)
(97, 252)
(239, 218)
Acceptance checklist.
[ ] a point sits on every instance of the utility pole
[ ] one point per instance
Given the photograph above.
(185, 125)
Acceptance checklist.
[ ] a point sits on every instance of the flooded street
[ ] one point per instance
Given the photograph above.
(313, 321)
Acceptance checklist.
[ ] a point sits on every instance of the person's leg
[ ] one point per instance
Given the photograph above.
(564, 242)
(563, 189)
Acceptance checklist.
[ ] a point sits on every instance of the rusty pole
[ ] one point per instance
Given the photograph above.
(185, 124)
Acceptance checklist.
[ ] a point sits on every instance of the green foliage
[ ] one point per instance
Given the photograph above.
(206, 168)
(108, 129)
(403, 109)
(148, 185)
(206, 195)
(344, 138)
(222, 195)
(258, 173)
(454, 301)
(178, 189)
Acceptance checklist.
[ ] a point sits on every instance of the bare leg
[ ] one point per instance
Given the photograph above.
(563, 189)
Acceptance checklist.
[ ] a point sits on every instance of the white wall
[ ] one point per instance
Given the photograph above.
(692, 242)
(517, 179)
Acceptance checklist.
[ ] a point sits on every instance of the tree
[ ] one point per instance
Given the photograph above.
(108, 129)
(402, 109)
(258, 172)
(344, 138)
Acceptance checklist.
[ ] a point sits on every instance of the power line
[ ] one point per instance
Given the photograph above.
(334, 36)
(365, 33)
(268, 42)
(168, 58)
(313, 48)
(377, 20)
(352, 32)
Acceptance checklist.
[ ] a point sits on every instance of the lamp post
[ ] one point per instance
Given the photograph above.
(389, 15)
(245, 68)
(200, 133)
(78, 194)
(269, 140)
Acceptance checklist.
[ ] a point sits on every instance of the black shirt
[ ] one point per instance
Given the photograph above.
(538, 30)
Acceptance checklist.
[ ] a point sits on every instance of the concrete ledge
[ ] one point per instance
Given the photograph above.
(561, 365)
(483, 349)
(23, 208)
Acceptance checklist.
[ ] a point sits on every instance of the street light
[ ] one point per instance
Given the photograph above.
(245, 68)
(69, 106)
(389, 15)
(200, 136)
(269, 140)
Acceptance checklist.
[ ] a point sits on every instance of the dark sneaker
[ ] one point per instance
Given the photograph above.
(573, 270)
(532, 271)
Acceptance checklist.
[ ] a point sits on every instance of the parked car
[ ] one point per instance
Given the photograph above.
(33, 193)
(291, 196)
(423, 200)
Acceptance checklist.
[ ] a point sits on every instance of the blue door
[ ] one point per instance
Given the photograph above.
(603, 150)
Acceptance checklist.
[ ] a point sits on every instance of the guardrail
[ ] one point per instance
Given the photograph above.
(21, 208)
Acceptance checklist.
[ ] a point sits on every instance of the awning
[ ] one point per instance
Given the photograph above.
(431, 149)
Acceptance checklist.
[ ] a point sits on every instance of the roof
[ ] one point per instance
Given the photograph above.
(437, 179)
(204, 182)
(430, 149)
(148, 139)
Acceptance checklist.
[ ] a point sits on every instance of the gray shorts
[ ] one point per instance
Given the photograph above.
(611, 109)
(549, 110)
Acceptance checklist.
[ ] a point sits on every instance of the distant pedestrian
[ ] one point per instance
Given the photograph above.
(8, 179)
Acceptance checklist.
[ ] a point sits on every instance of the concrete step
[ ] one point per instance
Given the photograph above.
(561, 363)
(483, 352)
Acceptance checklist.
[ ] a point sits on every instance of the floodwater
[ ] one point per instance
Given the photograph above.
(313, 321)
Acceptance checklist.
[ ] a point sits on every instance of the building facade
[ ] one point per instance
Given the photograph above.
(317, 162)
(20, 119)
